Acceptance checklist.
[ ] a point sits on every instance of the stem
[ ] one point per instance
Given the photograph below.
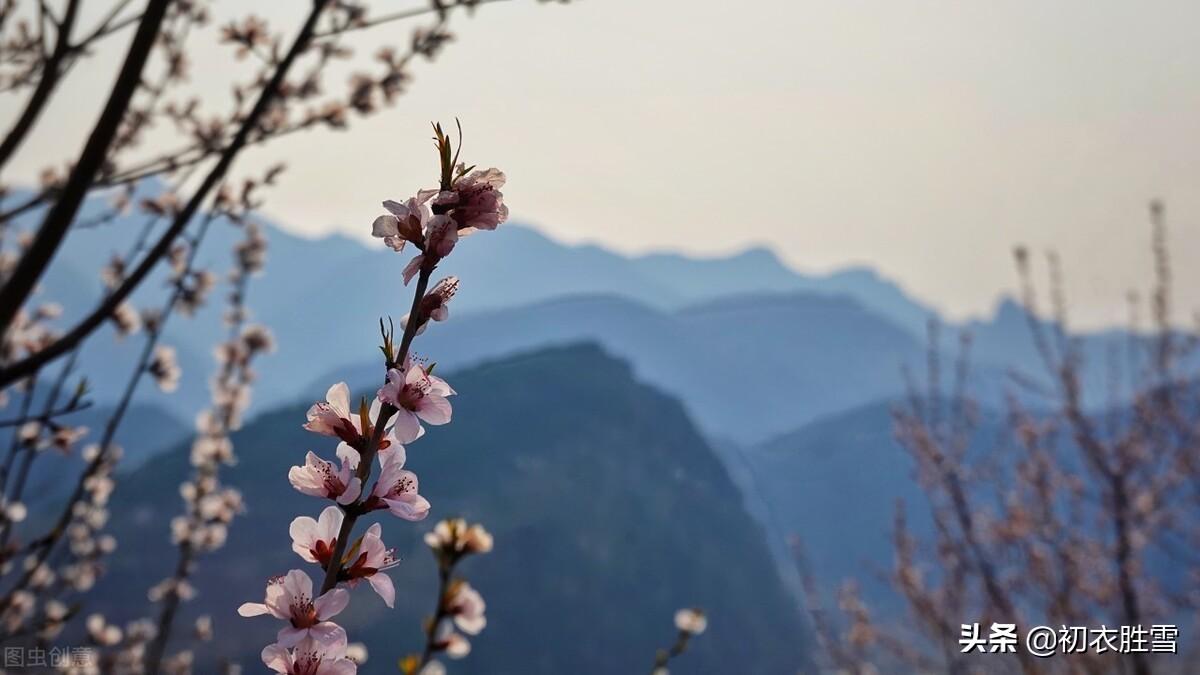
(397, 16)
(14, 444)
(14, 493)
(1124, 555)
(107, 25)
(48, 415)
(353, 511)
(439, 613)
(410, 331)
(368, 454)
(154, 651)
(30, 203)
(664, 657)
(58, 221)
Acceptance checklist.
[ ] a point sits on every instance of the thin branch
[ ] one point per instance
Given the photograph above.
(52, 71)
(368, 455)
(439, 613)
(107, 27)
(433, 8)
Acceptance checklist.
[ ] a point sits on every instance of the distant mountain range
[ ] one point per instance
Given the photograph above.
(609, 510)
(322, 297)
(753, 348)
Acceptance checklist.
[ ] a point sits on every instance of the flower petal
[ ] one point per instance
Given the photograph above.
(353, 490)
(276, 658)
(253, 609)
(435, 410)
(411, 507)
(304, 534)
(348, 455)
(332, 603)
(338, 397)
(408, 427)
(328, 632)
(382, 584)
(289, 636)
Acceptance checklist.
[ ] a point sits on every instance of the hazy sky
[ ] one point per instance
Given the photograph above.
(923, 138)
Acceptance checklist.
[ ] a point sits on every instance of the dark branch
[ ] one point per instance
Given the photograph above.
(94, 320)
(58, 220)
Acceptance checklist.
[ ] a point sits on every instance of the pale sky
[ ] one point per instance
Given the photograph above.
(924, 138)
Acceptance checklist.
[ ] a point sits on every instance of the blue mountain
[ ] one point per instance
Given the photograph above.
(752, 347)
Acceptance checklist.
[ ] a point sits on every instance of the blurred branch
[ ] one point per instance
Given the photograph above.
(52, 70)
(436, 7)
(58, 220)
(90, 323)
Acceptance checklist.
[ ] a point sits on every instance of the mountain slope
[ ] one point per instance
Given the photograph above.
(609, 510)
(834, 483)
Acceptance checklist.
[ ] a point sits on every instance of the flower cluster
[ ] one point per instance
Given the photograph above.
(376, 433)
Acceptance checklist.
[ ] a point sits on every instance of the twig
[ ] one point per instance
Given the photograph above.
(435, 8)
(51, 74)
(368, 455)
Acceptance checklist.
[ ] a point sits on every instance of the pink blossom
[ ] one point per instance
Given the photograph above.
(373, 558)
(440, 237)
(333, 417)
(396, 488)
(417, 396)
(319, 478)
(290, 598)
(310, 657)
(436, 303)
(433, 668)
(476, 202)
(466, 607)
(445, 639)
(457, 538)
(406, 222)
(691, 620)
(314, 540)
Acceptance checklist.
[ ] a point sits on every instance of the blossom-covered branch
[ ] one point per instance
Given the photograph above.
(432, 222)
(279, 90)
